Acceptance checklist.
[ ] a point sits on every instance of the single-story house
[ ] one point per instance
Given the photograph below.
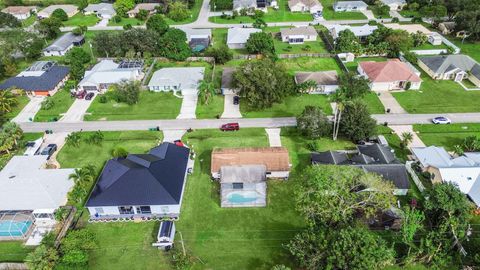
(451, 67)
(326, 81)
(464, 170)
(435, 39)
(227, 80)
(107, 72)
(20, 12)
(237, 37)
(42, 78)
(312, 6)
(340, 6)
(244, 4)
(102, 10)
(141, 185)
(394, 4)
(183, 79)
(446, 28)
(30, 195)
(198, 39)
(63, 44)
(275, 159)
(150, 7)
(361, 32)
(47, 12)
(298, 35)
(374, 158)
(389, 75)
(243, 186)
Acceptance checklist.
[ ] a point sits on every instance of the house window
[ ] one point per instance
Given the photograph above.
(125, 210)
(237, 185)
(144, 209)
(99, 210)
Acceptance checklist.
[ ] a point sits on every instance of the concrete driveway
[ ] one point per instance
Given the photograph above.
(230, 110)
(172, 135)
(189, 106)
(78, 109)
(416, 142)
(30, 110)
(57, 138)
(368, 14)
(389, 102)
(274, 137)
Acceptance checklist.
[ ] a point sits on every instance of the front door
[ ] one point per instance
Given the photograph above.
(459, 76)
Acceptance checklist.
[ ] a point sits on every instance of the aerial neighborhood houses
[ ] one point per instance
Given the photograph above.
(237, 37)
(70, 10)
(102, 10)
(451, 67)
(340, 6)
(198, 39)
(177, 79)
(20, 12)
(42, 78)
(150, 7)
(389, 75)
(326, 82)
(463, 170)
(312, 6)
(298, 35)
(63, 44)
(362, 32)
(108, 72)
(253, 5)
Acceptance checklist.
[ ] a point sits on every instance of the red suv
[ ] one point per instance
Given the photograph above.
(230, 127)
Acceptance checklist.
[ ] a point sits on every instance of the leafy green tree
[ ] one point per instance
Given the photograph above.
(75, 247)
(8, 101)
(306, 87)
(127, 92)
(49, 27)
(220, 53)
(399, 41)
(469, 20)
(9, 21)
(406, 139)
(83, 178)
(73, 139)
(219, 5)
(10, 134)
(419, 38)
(142, 14)
(435, 12)
(262, 83)
(353, 86)
(178, 11)
(157, 24)
(280, 267)
(356, 123)
(261, 43)
(122, 6)
(60, 14)
(348, 42)
(78, 54)
(259, 23)
(173, 45)
(313, 123)
(42, 258)
(381, 9)
(82, 4)
(471, 144)
(412, 223)
(206, 91)
(127, 27)
(80, 30)
(77, 70)
(323, 201)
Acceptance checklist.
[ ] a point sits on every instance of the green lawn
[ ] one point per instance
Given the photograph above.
(151, 105)
(330, 14)
(13, 251)
(29, 21)
(468, 47)
(22, 101)
(429, 46)
(125, 21)
(440, 96)
(62, 101)
(80, 19)
(310, 64)
(137, 142)
(374, 104)
(214, 108)
(409, 13)
(377, 15)
(446, 135)
(285, 48)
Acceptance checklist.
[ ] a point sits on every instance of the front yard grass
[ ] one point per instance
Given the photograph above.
(310, 64)
(62, 101)
(446, 135)
(125, 21)
(151, 105)
(330, 14)
(13, 251)
(374, 104)
(214, 108)
(22, 102)
(81, 19)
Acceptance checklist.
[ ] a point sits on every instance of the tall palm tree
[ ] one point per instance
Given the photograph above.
(12, 130)
(7, 101)
(73, 139)
(407, 138)
(83, 177)
(206, 91)
(339, 98)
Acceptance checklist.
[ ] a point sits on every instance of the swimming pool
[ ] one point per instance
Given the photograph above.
(14, 228)
(242, 196)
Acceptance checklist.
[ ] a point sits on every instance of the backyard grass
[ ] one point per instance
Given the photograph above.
(446, 135)
(291, 106)
(81, 19)
(22, 101)
(214, 108)
(330, 14)
(137, 142)
(374, 104)
(29, 21)
(285, 48)
(470, 48)
(310, 64)
(62, 100)
(151, 105)
(442, 96)
(428, 46)
(13, 251)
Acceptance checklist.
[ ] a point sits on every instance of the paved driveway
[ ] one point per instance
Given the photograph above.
(76, 112)
(173, 135)
(368, 14)
(230, 110)
(416, 142)
(57, 138)
(189, 105)
(389, 102)
(274, 137)
(29, 111)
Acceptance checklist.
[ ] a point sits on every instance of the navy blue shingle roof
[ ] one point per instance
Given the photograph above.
(155, 178)
(45, 82)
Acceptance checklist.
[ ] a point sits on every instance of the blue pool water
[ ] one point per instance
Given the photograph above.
(14, 228)
(242, 197)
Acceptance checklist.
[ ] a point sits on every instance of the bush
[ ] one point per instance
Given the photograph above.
(116, 19)
(395, 20)
(127, 27)
(221, 54)
(102, 99)
(119, 152)
(48, 103)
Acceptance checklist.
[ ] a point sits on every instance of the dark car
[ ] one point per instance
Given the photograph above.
(89, 96)
(230, 127)
(236, 100)
(49, 150)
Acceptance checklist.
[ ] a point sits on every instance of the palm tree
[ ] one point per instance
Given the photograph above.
(206, 91)
(407, 138)
(339, 98)
(7, 101)
(13, 131)
(73, 139)
(82, 177)
(458, 150)
(96, 137)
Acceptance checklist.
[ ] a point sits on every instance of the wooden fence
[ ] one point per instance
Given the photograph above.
(65, 226)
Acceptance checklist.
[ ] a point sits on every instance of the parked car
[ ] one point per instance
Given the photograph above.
(89, 96)
(81, 95)
(441, 120)
(178, 143)
(230, 127)
(49, 150)
(236, 100)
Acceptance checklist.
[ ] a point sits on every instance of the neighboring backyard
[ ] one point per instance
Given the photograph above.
(285, 48)
(62, 100)
(13, 251)
(330, 14)
(80, 19)
(446, 135)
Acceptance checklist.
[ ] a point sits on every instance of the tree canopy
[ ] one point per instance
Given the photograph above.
(178, 11)
(174, 45)
(9, 21)
(356, 123)
(49, 27)
(122, 6)
(313, 123)
(59, 14)
(261, 43)
(353, 86)
(157, 24)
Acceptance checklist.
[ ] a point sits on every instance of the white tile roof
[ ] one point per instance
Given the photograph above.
(187, 78)
(238, 35)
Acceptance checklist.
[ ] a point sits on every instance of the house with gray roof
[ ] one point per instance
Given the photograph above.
(394, 4)
(183, 79)
(237, 36)
(227, 81)
(63, 44)
(141, 186)
(298, 35)
(341, 6)
(42, 78)
(361, 32)
(102, 10)
(47, 12)
(326, 81)
(244, 4)
(451, 67)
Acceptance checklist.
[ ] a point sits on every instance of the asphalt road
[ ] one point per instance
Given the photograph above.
(391, 119)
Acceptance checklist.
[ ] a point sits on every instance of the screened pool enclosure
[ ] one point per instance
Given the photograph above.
(15, 225)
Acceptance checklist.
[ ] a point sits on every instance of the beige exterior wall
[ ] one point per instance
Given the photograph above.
(437, 176)
(474, 80)
(427, 70)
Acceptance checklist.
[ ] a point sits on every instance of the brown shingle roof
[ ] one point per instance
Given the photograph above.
(321, 78)
(274, 158)
(389, 71)
(18, 9)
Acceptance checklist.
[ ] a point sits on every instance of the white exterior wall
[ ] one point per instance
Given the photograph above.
(236, 45)
(299, 7)
(156, 209)
(23, 16)
(278, 174)
(57, 53)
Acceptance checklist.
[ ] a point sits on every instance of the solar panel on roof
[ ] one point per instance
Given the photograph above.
(41, 65)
